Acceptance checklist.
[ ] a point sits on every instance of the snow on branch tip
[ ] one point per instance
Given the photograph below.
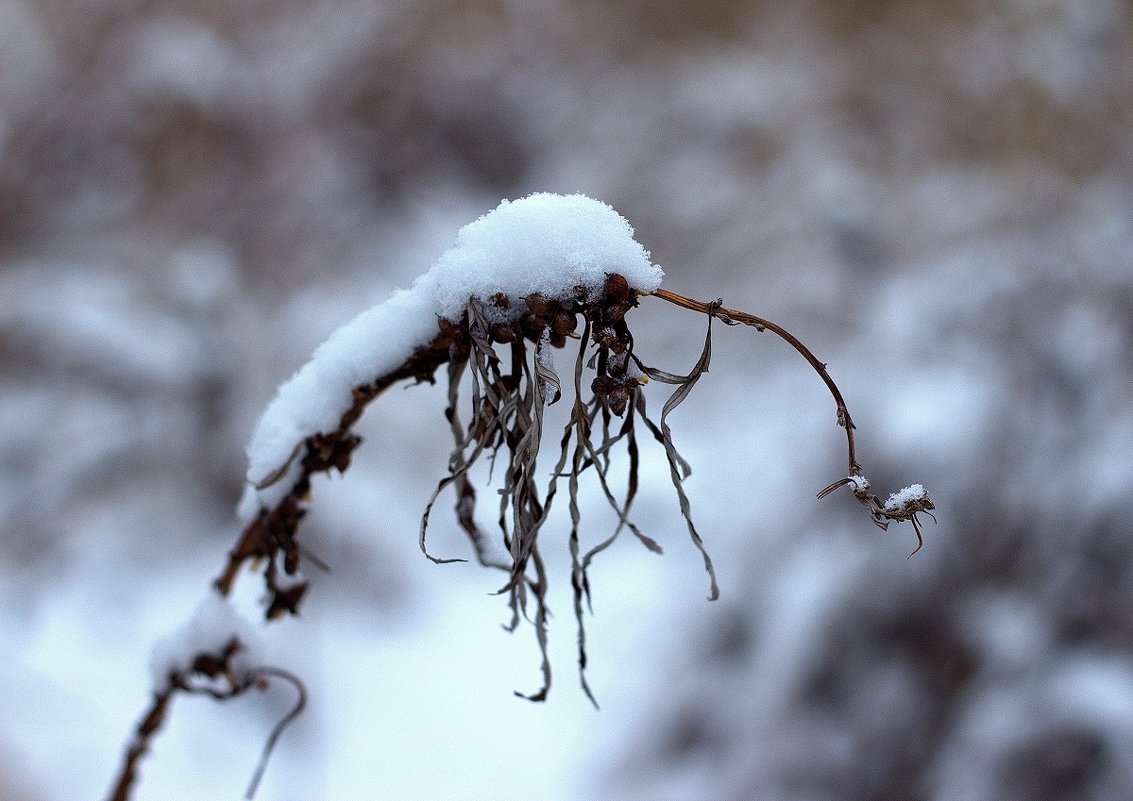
(532, 275)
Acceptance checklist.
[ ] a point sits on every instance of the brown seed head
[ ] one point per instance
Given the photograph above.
(563, 323)
(503, 333)
(540, 305)
(607, 337)
(602, 385)
(617, 311)
(618, 399)
(617, 287)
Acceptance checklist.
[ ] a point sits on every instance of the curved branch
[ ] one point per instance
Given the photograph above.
(273, 738)
(736, 317)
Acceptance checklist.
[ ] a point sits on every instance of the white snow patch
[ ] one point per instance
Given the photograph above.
(542, 243)
(214, 624)
(903, 499)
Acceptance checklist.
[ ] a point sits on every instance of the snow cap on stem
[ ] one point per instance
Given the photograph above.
(544, 243)
(213, 627)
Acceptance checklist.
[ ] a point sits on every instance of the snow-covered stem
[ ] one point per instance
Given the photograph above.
(521, 281)
(221, 672)
(272, 531)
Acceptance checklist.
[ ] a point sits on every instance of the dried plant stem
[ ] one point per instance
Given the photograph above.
(273, 531)
(902, 506)
(214, 667)
(507, 413)
(736, 317)
(273, 738)
(151, 721)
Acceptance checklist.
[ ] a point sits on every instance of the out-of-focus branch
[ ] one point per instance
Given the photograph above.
(149, 724)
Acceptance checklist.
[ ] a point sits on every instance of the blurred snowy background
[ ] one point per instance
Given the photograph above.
(936, 196)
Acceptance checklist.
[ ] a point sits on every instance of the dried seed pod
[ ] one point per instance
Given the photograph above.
(563, 323)
(616, 286)
(603, 385)
(604, 337)
(618, 399)
(503, 333)
(617, 311)
(540, 305)
(501, 301)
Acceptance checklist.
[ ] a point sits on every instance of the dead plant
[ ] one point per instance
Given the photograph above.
(511, 381)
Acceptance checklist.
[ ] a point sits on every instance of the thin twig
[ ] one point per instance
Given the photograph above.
(735, 316)
(300, 704)
(149, 724)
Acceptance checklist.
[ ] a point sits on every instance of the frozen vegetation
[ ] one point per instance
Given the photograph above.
(214, 624)
(935, 196)
(543, 243)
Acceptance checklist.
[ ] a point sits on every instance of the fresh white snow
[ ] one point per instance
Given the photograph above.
(903, 499)
(214, 624)
(544, 243)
